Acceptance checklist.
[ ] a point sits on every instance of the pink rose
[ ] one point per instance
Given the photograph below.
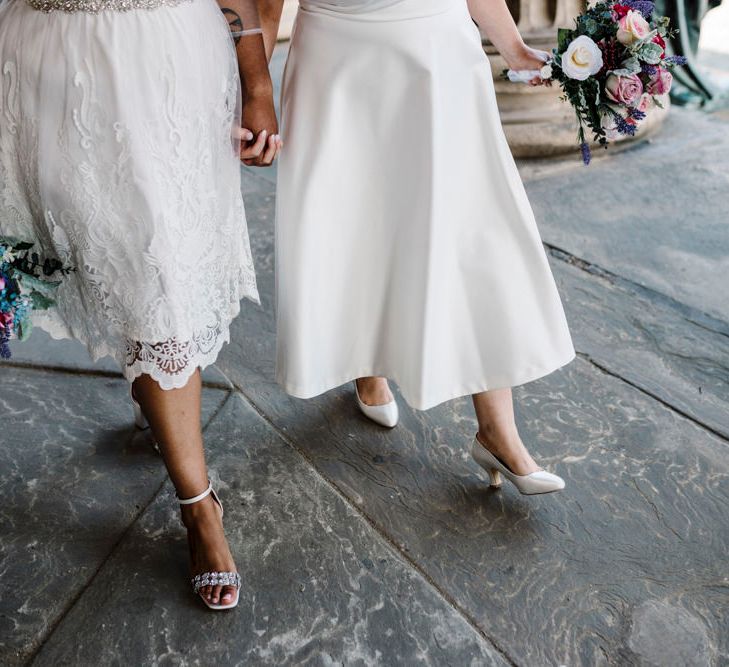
(632, 28)
(660, 82)
(6, 320)
(645, 103)
(662, 43)
(624, 89)
(2, 283)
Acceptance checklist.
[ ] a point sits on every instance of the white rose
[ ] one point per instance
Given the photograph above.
(582, 58)
(546, 72)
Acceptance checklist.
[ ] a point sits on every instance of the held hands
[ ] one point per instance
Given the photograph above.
(260, 141)
(526, 59)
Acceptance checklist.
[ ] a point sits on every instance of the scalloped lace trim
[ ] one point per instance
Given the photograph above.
(170, 363)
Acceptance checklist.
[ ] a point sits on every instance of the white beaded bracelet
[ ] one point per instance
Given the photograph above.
(245, 33)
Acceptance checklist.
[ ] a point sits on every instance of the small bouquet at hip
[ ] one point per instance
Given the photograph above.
(613, 68)
(25, 285)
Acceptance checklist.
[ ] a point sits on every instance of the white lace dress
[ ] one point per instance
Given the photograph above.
(116, 157)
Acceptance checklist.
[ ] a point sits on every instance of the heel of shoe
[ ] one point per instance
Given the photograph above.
(140, 421)
(495, 478)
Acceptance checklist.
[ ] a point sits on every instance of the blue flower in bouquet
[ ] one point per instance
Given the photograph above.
(25, 286)
(11, 307)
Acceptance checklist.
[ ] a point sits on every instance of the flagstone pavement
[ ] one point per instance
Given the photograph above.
(360, 546)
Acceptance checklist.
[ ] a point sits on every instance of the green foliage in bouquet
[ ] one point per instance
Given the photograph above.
(612, 67)
(27, 283)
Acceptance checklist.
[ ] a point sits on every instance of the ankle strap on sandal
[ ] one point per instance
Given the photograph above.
(198, 498)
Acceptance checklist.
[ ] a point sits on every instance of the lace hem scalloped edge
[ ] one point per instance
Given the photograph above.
(58, 330)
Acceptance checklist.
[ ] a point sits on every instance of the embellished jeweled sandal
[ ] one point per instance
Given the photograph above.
(213, 578)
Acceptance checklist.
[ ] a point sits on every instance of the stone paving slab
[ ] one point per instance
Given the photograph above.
(669, 350)
(74, 473)
(585, 577)
(556, 580)
(321, 587)
(656, 213)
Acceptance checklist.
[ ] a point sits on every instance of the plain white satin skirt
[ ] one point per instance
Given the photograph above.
(406, 245)
(117, 157)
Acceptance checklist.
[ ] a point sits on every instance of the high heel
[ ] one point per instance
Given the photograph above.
(213, 578)
(386, 415)
(140, 421)
(540, 481)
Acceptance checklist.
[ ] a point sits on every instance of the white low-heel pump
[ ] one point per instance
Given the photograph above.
(540, 481)
(213, 578)
(140, 421)
(385, 415)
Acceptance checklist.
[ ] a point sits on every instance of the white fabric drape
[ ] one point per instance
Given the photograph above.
(406, 246)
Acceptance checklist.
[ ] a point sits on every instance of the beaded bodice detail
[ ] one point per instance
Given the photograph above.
(95, 6)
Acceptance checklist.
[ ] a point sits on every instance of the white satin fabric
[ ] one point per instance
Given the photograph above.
(406, 246)
(116, 156)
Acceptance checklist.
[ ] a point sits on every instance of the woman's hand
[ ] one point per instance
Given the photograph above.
(527, 58)
(260, 141)
(495, 20)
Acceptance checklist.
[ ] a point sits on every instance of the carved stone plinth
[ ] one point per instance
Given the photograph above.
(536, 122)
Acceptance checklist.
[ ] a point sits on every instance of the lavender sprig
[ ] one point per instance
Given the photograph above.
(623, 126)
(645, 7)
(586, 153)
(4, 347)
(635, 113)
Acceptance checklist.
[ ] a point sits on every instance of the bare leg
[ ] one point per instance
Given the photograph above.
(374, 391)
(174, 416)
(498, 433)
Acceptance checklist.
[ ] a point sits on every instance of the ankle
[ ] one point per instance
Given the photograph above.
(200, 512)
(500, 438)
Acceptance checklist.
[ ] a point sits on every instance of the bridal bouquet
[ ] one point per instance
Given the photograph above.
(25, 285)
(612, 68)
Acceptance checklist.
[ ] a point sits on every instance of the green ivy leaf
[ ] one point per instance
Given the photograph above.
(33, 284)
(9, 241)
(590, 25)
(563, 38)
(41, 301)
(24, 328)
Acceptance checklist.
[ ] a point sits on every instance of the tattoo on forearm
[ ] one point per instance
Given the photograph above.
(235, 23)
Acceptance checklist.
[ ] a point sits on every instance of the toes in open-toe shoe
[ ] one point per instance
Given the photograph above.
(205, 579)
(217, 579)
(534, 483)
